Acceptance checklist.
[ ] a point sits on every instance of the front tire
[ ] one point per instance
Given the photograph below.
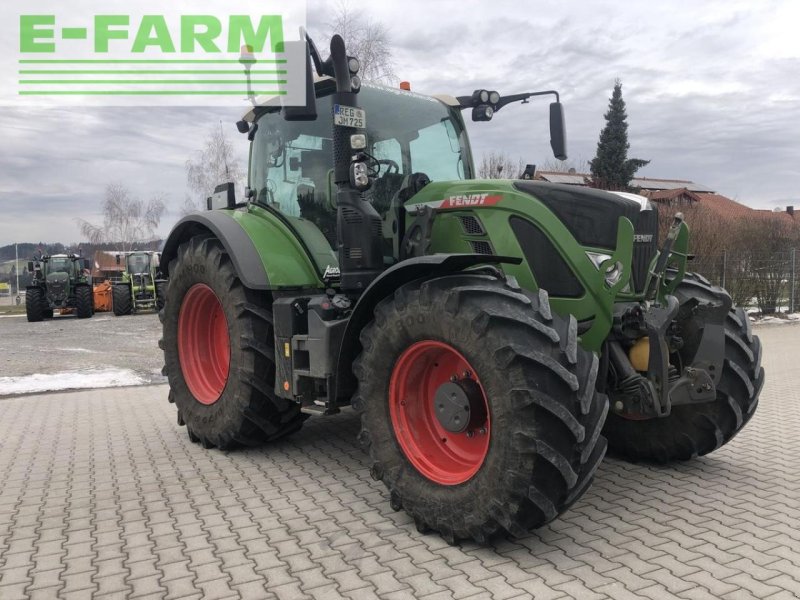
(219, 354)
(84, 302)
(121, 299)
(527, 455)
(693, 430)
(34, 301)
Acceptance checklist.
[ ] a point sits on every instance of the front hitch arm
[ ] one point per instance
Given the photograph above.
(656, 321)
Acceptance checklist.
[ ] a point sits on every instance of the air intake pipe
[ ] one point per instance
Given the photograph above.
(358, 224)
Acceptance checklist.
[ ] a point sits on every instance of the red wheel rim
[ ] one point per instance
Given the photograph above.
(440, 455)
(204, 347)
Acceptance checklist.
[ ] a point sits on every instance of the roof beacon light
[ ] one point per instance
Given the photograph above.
(405, 85)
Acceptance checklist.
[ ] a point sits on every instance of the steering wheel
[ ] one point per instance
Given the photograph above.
(390, 162)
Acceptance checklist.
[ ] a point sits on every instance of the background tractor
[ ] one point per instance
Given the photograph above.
(484, 330)
(60, 283)
(142, 286)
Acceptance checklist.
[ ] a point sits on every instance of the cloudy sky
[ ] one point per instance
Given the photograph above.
(712, 90)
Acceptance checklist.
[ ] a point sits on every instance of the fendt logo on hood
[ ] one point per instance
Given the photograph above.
(470, 201)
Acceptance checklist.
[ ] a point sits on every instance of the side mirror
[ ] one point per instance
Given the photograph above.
(558, 131)
(30, 266)
(224, 196)
(529, 172)
(308, 112)
(86, 264)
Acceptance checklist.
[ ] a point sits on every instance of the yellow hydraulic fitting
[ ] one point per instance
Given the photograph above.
(639, 354)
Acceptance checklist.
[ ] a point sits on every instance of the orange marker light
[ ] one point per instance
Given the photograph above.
(405, 85)
(286, 386)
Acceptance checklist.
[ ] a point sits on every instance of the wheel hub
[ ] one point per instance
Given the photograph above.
(456, 403)
(439, 412)
(203, 344)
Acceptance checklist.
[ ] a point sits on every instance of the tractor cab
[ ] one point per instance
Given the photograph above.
(138, 263)
(412, 139)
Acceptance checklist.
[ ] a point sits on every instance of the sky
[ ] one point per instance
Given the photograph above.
(712, 91)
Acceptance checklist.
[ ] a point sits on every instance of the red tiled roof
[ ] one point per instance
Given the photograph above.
(106, 261)
(666, 195)
(727, 208)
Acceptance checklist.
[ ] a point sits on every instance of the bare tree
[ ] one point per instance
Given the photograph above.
(578, 165)
(127, 220)
(216, 163)
(365, 38)
(499, 165)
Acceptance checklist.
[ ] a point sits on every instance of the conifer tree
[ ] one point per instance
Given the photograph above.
(611, 168)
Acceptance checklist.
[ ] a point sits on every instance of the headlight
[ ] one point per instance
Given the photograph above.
(494, 97)
(598, 259)
(612, 273)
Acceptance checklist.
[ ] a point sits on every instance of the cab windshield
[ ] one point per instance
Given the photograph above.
(292, 161)
(138, 263)
(60, 264)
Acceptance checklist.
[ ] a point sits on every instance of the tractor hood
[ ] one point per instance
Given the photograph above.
(590, 216)
(59, 278)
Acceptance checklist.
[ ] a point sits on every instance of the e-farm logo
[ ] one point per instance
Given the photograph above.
(137, 55)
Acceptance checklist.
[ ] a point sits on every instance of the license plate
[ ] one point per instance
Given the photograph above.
(348, 116)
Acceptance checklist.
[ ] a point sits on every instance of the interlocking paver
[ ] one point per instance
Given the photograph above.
(102, 496)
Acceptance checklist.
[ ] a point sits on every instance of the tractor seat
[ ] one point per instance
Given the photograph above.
(384, 189)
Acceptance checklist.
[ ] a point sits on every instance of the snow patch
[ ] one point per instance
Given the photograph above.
(79, 350)
(773, 320)
(70, 380)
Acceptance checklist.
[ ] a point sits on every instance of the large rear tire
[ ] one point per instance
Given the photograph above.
(532, 442)
(34, 302)
(84, 301)
(219, 352)
(121, 299)
(693, 430)
(161, 293)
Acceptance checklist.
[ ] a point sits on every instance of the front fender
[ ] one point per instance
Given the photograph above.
(433, 265)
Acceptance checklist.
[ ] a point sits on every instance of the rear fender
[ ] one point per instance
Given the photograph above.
(266, 253)
(427, 267)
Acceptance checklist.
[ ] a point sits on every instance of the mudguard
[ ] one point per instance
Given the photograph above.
(430, 266)
(266, 253)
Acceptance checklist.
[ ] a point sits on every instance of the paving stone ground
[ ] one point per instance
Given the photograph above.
(103, 496)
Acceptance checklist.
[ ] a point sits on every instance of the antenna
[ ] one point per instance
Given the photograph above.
(224, 151)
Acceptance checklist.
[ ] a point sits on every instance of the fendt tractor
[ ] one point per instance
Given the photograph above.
(495, 336)
(60, 283)
(142, 286)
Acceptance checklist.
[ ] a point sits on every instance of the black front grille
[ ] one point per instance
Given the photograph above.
(479, 247)
(471, 225)
(645, 246)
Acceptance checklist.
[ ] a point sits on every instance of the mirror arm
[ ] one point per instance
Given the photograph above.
(524, 97)
(468, 102)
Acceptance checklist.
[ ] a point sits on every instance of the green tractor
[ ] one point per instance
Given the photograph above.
(495, 336)
(60, 283)
(142, 286)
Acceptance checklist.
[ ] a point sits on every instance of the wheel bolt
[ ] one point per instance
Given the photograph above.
(482, 430)
(467, 374)
(618, 406)
(470, 433)
(454, 378)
